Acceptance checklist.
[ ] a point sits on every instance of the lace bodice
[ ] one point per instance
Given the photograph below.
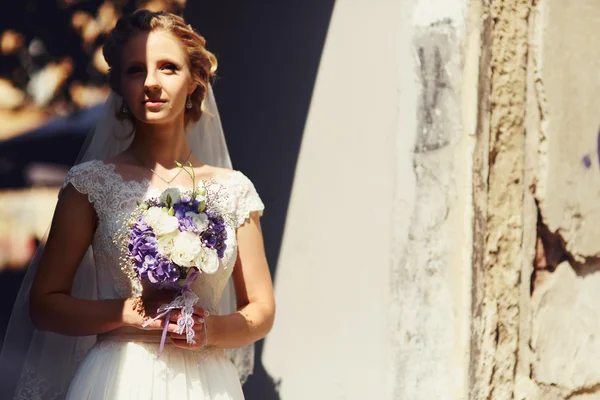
(114, 199)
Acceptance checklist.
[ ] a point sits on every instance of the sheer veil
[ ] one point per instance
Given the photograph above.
(40, 365)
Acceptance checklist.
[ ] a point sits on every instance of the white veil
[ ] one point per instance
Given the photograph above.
(40, 365)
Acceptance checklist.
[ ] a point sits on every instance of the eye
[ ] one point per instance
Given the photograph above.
(133, 70)
(170, 67)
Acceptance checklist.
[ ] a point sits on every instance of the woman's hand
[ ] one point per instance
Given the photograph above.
(200, 337)
(138, 310)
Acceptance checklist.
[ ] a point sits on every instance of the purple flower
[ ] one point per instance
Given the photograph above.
(221, 250)
(155, 203)
(142, 245)
(147, 262)
(215, 236)
(181, 209)
(186, 224)
(195, 204)
(209, 239)
(163, 272)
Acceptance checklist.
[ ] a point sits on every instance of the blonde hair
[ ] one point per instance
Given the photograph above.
(202, 63)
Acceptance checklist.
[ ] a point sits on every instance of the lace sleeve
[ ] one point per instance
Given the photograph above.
(80, 177)
(248, 200)
(87, 179)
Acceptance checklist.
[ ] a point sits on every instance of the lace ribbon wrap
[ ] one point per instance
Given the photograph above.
(185, 302)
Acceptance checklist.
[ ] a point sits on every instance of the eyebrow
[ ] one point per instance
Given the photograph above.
(170, 60)
(160, 60)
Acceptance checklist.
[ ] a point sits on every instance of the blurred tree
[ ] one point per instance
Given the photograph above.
(60, 42)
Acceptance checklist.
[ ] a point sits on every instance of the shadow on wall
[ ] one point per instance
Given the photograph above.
(268, 56)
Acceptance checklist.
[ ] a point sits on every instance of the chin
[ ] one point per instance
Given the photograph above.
(156, 118)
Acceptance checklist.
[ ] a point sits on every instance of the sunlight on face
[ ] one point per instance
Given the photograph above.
(156, 79)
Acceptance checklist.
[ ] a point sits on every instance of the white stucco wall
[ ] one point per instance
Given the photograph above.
(565, 344)
(343, 315)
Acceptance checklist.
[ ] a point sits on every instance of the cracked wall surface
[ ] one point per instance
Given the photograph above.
(499, 197)
(430, 305)
(430, 277)
(535, 329)
(565, 335)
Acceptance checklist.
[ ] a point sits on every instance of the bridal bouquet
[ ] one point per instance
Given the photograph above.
(171, 239)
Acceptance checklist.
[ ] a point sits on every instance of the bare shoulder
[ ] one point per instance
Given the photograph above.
(212, 172)
(120, 160)
(124, 166)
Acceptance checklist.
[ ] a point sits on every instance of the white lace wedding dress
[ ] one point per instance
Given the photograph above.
(123, 364)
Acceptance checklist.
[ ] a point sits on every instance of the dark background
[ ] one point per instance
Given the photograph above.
(269, 55)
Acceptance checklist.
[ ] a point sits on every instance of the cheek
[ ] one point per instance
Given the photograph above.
(131, 88)
(177, 92)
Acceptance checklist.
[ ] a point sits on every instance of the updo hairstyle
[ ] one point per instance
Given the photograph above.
(202, 63)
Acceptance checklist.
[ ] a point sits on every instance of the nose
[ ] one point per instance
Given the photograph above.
(151, 83)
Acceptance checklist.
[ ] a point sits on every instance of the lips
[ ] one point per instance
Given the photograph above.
(154, 105)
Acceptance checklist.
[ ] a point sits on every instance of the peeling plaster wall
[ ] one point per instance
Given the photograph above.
(499, 197)
(431, 277)
(565, 326)
(570, 71)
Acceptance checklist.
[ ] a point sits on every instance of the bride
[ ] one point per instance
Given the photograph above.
(77, 327)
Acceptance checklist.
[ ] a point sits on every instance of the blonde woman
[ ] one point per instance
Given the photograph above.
(89, 339)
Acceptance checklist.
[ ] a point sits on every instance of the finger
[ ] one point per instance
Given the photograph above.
(201, 312)
(151, 307)
(183, 339)
(175, 315)
(160, 324)
(182, 343)
(177, 336)
(153, 313)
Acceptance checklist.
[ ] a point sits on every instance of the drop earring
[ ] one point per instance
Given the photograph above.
(124, 108)
(188, 104)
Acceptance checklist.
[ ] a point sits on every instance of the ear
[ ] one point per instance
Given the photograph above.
(192, 86)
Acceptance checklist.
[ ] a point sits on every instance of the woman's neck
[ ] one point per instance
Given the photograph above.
(155, 145)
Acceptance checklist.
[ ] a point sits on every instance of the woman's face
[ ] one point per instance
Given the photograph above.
(155, 78)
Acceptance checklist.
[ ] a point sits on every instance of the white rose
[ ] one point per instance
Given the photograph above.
(153, 215)
(173, 192)
(208, 260)
(186, 248)
(165, 225)
(200, 220)
(166, 243)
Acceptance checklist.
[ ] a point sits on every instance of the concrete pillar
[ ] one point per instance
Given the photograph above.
(373, 278)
